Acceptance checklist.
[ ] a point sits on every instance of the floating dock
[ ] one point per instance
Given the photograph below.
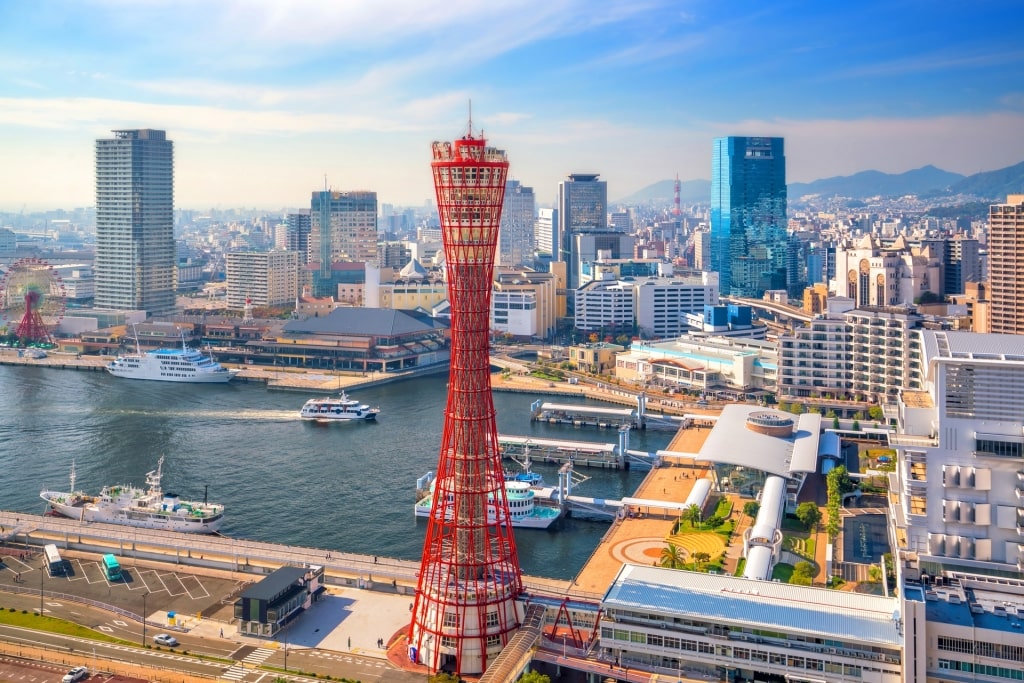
(584, 415)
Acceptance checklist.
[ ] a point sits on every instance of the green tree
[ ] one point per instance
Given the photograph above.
(700, 559)
(835, 421)
(532, 676)
(874, 573)
(671, 557)
(808, 514)
(803, 573)
(783, 406)
(443, 677)
(831, 414)
(856, 425)
(876, 413)
(750, 508)
(692, 515)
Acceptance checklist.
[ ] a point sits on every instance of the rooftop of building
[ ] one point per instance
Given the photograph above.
(731, 442)
(772, 606)
(917, 399)
(274, 584)
(358, 321)
(979, 603)
(973, 345)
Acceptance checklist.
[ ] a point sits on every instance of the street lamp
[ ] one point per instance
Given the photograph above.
(42, 575)
(563, 646)
(144, 595)
(286, 651)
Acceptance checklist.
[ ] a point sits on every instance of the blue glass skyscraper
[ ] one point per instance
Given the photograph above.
(748, 215)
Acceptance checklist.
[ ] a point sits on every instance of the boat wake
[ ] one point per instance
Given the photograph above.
(226, 415)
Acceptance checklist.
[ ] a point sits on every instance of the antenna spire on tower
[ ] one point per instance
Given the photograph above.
(471, 117)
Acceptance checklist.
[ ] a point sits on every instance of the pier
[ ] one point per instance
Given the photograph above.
(577, 453)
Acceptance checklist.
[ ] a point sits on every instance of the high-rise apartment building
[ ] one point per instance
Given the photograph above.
(1005, 265)
(748, 215)
(296, 238)
(515, 237)
(262, 278)
(135, 255)
(343, 228)
(582, 208)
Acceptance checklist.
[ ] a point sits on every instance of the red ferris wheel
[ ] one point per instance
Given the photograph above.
(32, 300)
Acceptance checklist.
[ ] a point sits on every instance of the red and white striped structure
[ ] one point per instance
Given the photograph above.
(466, 601)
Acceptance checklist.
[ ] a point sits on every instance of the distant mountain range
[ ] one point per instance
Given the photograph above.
(926, 181)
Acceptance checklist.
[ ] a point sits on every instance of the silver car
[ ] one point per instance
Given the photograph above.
(165, 639)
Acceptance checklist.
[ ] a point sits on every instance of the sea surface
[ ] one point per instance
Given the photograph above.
(344, 487)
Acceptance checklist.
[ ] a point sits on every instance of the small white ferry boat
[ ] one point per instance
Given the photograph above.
(525, 510)
(130, 505)
(170, 365)
(337, 409)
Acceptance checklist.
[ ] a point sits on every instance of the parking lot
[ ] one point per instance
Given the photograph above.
(189, 596)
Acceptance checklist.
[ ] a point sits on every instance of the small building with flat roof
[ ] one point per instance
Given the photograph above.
(262, 609)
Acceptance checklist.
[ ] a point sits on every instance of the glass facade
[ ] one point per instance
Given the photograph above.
(749, 249)
(582, 208)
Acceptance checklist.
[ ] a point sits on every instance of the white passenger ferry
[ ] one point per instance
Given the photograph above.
(524, 508)
(337, 409)
(130, 505)
(170, 365)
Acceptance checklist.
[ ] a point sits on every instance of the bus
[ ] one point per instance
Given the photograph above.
(112, 568)
(53, 560)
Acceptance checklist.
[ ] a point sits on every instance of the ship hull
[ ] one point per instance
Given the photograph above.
(142, 519)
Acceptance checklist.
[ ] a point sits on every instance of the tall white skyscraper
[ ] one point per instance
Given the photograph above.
(135, 255)
(515, 236)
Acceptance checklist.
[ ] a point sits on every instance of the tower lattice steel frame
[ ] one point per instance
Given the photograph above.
(466, 600)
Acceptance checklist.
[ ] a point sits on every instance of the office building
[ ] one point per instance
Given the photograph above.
(748, 215)
(1006, 265)
(515, 236)
(546, 232)
(135, 254)
(343, 228)
(262, 278)
(663, 303)
(606, 308)
(524, 303)
(582, 208)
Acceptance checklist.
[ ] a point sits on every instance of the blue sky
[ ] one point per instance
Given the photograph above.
(263, 98)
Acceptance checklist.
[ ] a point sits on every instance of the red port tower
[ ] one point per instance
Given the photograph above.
(466, 606)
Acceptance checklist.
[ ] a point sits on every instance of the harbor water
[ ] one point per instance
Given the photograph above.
(345, 487)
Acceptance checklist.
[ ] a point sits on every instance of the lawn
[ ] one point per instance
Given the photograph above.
(23, 619)
(783, 572)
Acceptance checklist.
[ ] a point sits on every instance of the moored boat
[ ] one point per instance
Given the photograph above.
(149, 508)
(170, 365)
(525, 510)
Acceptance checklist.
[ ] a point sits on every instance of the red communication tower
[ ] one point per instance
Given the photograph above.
(465, 609)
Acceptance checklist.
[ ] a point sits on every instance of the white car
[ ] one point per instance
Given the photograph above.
(76, 674)
(165, 639)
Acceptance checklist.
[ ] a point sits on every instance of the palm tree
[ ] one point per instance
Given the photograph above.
(672, 556)
(692, 515)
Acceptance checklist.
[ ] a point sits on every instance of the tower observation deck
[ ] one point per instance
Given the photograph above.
(466, 607)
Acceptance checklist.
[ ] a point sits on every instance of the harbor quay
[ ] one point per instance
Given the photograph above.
(367, 597)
